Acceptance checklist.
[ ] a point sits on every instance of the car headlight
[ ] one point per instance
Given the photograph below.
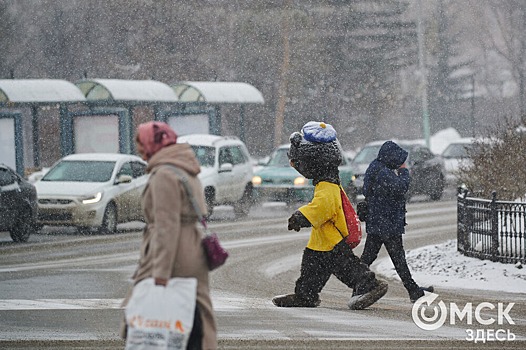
(256, 180)
(300, 181)
(92, 199)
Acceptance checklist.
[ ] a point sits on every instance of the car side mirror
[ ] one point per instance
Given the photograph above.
(124, 179)
(226, 167)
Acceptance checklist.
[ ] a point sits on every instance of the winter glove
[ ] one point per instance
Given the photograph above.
(297, 221)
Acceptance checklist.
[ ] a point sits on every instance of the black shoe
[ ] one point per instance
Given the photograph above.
(419, 293)
(361, 301)
(293, 300)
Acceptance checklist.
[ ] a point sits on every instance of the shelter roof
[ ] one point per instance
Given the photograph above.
(126, 90)
(39, 90)
(217, 92)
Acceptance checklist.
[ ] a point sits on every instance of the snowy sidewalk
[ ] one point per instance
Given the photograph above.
(442, 265)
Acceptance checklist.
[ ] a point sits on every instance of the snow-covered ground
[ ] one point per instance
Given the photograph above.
(441, 265)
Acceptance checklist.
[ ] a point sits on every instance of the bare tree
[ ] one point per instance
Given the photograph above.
(450, 73)
(508, 19)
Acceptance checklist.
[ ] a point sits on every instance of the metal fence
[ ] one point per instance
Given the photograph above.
(491, 229)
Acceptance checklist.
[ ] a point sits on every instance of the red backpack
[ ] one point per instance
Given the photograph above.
(354, 227)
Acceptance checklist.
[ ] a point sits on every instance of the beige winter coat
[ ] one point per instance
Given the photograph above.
(171, 245)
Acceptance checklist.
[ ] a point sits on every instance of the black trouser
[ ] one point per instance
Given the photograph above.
(317, 267)
(195, 341)
(395, 249)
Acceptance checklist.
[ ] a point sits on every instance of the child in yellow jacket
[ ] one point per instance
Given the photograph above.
(316, 154)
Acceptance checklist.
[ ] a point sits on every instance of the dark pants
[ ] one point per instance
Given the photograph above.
(317, 267)
(196, 336)
(395, 249)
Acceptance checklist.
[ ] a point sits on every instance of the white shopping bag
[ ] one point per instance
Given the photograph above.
(161, 317)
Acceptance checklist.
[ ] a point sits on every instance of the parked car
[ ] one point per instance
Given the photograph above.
(278, 181)
(18, 205)
(226, 171)
(92, 190)
(427, 170)
(455, 154)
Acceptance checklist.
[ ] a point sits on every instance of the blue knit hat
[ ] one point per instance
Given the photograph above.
(315, 149)
(318, 132)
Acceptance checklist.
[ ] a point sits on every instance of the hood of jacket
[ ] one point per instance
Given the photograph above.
(392, 155)
(181, 155)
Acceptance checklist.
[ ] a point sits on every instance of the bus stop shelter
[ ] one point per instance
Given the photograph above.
(215, 94)
(29, 122)
(116, 106)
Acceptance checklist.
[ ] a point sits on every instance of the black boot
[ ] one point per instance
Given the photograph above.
(418, 293)
(293, 300)
(361, 301)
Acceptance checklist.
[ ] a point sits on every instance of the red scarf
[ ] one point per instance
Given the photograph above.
(155, 135)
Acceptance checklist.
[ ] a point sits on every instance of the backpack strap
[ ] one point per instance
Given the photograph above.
(354, 228)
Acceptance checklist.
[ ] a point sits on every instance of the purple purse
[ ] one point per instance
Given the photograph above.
(216, 255)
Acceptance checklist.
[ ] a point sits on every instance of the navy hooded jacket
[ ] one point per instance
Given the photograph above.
(385, 186)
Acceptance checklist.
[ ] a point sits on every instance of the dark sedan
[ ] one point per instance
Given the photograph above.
(18, 205)
(426, 169)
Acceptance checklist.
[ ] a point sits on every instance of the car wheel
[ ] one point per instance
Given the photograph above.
(109, 221)
(24, 225)
(242, 207)
(84, 230)
(209, 198)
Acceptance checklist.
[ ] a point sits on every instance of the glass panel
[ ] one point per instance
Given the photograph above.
(237, 156)
(99, 92)
(126, 169)
(96, 134)
(279, 158)
(189, 124)
(3, 97)
(225, 156)
(139, 169)
(81, 171)
(205, 155)
(367, 155)
(7, 142)
(457, 151)
(6, 178)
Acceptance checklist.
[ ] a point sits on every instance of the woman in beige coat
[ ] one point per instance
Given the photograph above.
(171, 245)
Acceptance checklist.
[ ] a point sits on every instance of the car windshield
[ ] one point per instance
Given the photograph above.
(81, 171)
(367, 154)
(205, 155)
(457, 150)
(279, 158)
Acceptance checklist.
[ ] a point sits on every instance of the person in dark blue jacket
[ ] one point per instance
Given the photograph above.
(385, 185)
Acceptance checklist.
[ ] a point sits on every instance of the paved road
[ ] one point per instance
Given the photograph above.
(62, 290)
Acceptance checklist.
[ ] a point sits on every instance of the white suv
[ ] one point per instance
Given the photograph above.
(226, 170)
